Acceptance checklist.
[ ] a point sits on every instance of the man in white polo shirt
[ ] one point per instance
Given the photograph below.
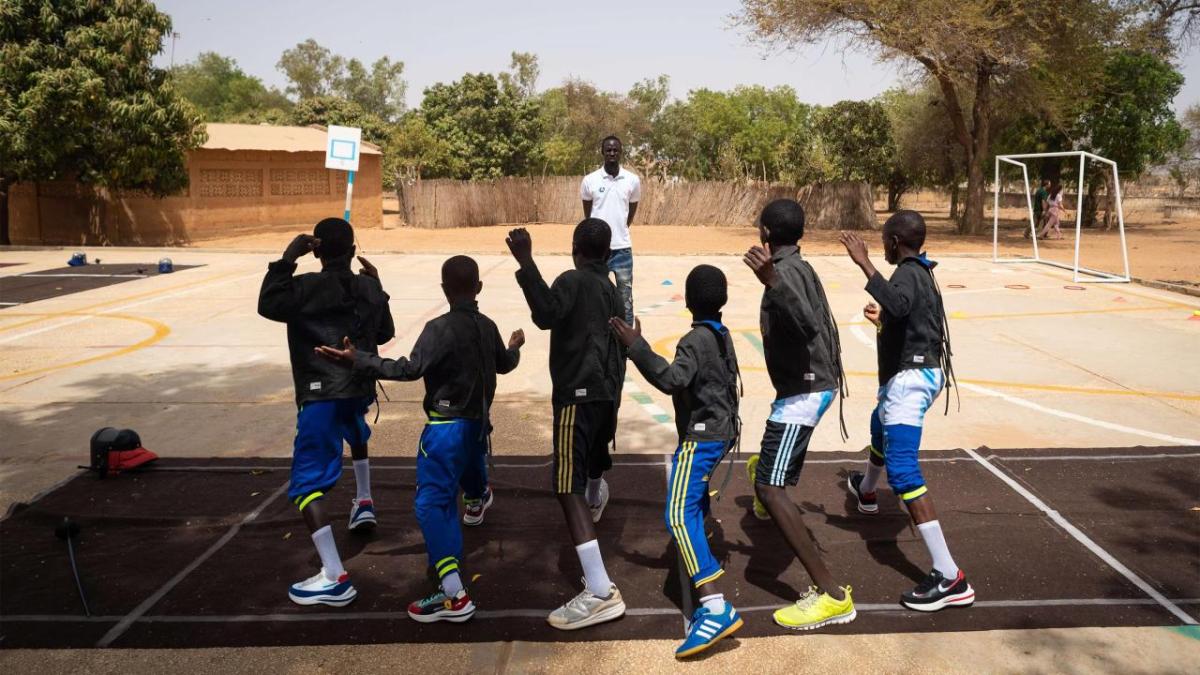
(611, 194)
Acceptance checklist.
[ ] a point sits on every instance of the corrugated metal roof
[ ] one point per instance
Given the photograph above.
(272, 138)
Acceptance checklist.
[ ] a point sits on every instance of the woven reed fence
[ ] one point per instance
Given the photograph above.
(444, 203)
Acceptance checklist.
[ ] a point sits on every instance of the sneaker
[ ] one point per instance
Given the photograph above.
(708, 629)
(321, 590)
(598, 509)
(935, 592)
(473, 514)
(439, 607)
(867, 502)
(362, 516)
(814, 610)
(760, 509)
(586, 610)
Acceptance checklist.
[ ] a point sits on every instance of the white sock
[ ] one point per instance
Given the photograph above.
(870, 477)
(451, 584)
(362, 478)
(592, 495)
(596, 577)
(714, 603)
(935, 541)
(327, 549)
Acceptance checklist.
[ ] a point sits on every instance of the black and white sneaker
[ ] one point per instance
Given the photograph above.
(935, 593)
(867, 502)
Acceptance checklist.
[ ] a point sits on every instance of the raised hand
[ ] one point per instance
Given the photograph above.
(517, 339)
(759, 260)
(626, 334)
(367, 268)
(342, 357)
(855, 247)
(301, 246)
(520, 244)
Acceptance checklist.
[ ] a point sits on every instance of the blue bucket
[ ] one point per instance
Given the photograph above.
(78, 260)
(165, 266)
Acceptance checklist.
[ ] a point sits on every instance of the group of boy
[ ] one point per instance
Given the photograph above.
(337, 320)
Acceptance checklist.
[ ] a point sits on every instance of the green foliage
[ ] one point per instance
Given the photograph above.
(859, 134)
(314, 71)
(1128, 118)
(327, 110)
(79, 96)
(222, 92)
(491, 128)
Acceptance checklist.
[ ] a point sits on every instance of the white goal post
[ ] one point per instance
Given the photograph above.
(1091, 275)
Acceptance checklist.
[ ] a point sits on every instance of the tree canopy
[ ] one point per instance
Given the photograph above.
(80, 97)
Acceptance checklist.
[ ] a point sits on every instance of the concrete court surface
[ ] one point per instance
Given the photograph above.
(185, 360)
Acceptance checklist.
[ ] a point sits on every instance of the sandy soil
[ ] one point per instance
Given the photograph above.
(1158, 251)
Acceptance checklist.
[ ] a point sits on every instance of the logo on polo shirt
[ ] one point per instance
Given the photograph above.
(601, 190)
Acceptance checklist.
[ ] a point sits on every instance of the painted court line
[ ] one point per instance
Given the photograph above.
(1086, 541)
(139, 611)
(86, 276)
(847, 460)
(485, 614)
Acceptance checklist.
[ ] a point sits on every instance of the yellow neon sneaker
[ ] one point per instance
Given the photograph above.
(760, 509)
(814, 610)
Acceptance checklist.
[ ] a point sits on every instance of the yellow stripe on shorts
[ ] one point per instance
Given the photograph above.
(913, 494)
(683, 469)
(566, 447)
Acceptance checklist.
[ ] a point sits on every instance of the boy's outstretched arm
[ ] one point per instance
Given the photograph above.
(895, 295)
(785, 301)
(547, 305)
(425, 353)
(669, 378)
(507, 359)
(279, 297)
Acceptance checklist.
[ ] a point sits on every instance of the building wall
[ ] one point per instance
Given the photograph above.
(230, 192)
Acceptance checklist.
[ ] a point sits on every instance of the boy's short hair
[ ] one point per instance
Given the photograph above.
(908, 227)
(784, 221)
(592, 238)
(460, 275)
(337, 237)
(706, 290)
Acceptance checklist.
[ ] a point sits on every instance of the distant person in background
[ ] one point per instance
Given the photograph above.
(611, 194)
(1054, 212)
(1039, 198)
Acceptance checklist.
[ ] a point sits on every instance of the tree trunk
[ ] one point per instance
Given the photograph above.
(5, 183)
(981, 119)
(954, 200)
(1110, 200)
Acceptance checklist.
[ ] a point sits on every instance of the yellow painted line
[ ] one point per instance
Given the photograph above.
(87, 309)
(160, 331)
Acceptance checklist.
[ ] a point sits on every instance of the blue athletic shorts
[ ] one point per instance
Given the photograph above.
(321, 428)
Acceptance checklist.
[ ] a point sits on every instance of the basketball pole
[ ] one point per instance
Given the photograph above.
(349, 194)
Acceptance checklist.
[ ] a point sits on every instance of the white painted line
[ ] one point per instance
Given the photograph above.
(120, 308)
(86, 276)
(9, 304)
(1111, 426)
(541, 613)
(1086, 541)
(139, 611)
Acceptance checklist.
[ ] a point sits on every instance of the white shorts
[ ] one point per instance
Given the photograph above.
(803, 409)
(908, 396)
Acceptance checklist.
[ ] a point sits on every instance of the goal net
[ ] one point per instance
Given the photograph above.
(1081, 274)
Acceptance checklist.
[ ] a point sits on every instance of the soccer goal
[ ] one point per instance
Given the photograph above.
(1082, 274)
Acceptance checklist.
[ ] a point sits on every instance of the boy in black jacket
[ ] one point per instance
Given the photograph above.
(914, 362)
(803, 354)
(458, 354)
(703, 383)
(319, 309)
(587, 370)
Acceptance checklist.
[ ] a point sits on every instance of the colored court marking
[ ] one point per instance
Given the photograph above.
(160, 331)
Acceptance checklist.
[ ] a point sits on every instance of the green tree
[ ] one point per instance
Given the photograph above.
(860, 136)
(491, 127)
(573, 118)
(970, 48)
(523, 73)
(926, 152)
(80, 97)
(221, 91)
(315, 71)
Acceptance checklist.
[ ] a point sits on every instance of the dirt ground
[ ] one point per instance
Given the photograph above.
(1162, 251)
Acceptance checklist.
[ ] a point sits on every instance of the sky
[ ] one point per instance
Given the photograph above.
(613, 44)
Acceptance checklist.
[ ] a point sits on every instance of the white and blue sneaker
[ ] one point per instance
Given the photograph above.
(362, 516)
(321, 590)
(708, 629)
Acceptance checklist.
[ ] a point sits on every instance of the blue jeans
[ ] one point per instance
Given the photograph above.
(620, 263)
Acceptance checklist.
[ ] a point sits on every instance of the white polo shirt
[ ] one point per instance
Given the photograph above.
(610, 197)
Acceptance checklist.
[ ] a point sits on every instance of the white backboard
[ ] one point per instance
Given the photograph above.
(342, 145)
